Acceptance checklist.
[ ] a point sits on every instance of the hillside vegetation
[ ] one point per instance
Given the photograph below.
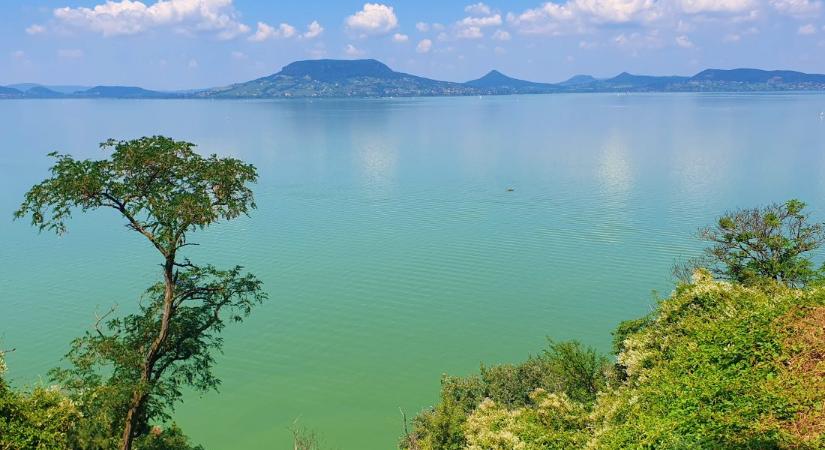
(716, 365)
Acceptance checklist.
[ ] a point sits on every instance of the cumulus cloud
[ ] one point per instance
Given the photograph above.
(239, 56)
(126, 17)
(422, 27)
(398, 37)
(266, 31)
(424, 46)
(353, 51)
(807, 30)
(35, 29)
(481, 16)
(487, 21)
(635, 41)
(478, 9)
(18, 55)
(285, 31)
(374, 18)
(716, 6)
(469, 33)
(798, 8)
(577, 15)
(314, 30)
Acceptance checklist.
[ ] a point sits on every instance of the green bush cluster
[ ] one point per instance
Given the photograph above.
(717, 365)
(45, 418)
(41, 419)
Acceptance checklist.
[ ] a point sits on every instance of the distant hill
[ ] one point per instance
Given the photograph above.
(624, 82)
(7, 92)
(496, 82)
(338, 78)
(578, 80)
(121, 92)
(371, 78)
(751, 76)
(60, 89)
(43, 92)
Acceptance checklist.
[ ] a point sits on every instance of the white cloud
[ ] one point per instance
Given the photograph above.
(807, 30)
(240, 56)
(716, 6)
(487, 21)
(501, 35)
(422, 27)
(124, 17)
(353, 51)
(577, 15)
(478, 9)
(684, 42)
(314, 30)
(18, 54)
(424, 46)
(398, 37)
(70, 53)
(192, 64)
(798, 8)
(374, 18)
(469, 33)
(635, 41)
(266, 31)
(35, 29)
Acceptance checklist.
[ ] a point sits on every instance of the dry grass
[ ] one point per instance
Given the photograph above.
(805, 371)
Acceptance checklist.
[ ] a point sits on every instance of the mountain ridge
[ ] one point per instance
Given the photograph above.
(372, 78)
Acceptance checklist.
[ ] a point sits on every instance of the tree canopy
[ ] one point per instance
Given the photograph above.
(130, 371)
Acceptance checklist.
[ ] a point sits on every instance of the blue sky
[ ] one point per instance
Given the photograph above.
(174, 44)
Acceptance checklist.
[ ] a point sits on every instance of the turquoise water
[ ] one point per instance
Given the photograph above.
(389, 243)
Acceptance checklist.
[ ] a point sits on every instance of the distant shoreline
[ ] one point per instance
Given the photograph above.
(368, 78)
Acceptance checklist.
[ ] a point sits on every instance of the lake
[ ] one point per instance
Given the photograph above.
(400, 239)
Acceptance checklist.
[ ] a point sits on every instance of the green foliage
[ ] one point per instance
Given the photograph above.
(161, 186)
(553, 422)
(171, 438)
(106, 363)
(131, 372)
(564, 368)
(42, 419)
(717, 365)
(763, 243)
(701, 374)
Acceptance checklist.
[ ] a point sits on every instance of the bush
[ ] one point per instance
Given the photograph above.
(717, 365)
(40, 419)
(565, 368)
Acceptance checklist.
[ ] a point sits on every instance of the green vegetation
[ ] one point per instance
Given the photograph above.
(735, 363)
(717, 365)
(771, 242)
(127, 375)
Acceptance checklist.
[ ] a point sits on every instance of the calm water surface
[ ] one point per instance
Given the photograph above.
(389, 243)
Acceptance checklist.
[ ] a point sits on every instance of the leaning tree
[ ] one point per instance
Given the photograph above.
(137, 365)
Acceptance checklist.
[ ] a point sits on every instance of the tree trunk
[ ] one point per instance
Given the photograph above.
(140, 394)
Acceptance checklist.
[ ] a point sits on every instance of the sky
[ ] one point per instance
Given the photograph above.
(182, 44)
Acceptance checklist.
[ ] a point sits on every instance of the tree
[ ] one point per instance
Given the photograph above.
(164, 191)
(772, 242)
